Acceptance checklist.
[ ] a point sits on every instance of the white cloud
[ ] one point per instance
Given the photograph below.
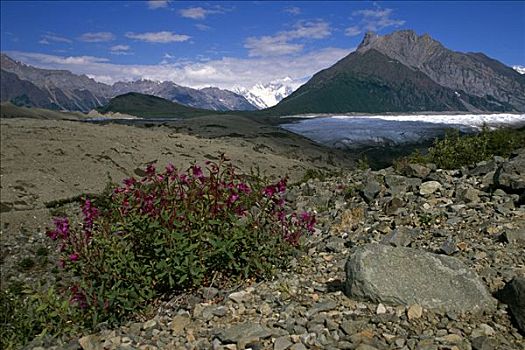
(158, 37)
(293, 10)
(225, 73)
(353, 31)
(201, 13)
(280, 44)
(52, 60)
(97, 37)
(157, 4)
(120, 50)
(194, 13)
(270, 46)
(48, 38)
(202, 27)
(373, 20)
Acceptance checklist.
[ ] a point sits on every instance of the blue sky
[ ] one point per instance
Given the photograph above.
(229, 44)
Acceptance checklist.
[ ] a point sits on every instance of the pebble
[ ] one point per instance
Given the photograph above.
(381, 309)
(414, 311)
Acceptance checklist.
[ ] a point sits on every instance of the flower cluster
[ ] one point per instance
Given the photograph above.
(177, 229)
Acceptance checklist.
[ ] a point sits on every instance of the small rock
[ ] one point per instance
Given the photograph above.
(449, 247)
(483, 168)
(265, 309)
(178, 323)
(510, 176)
(396, 184)
(366, 347)
(282, 343)
(468, 195)
(513, 236)
(247, 330)
(393, 206)
(483, 343)
(400, 342)
(209, 293)
(371, 190)
(239, 297)
(400, 237)
(415, 170)
(429, 187)
(298, 346)
(90, 342)
(352, 327)
(220, 311)
(451, 339)
(149, 324)
(381, 309)
(322, 306)
(415, 311)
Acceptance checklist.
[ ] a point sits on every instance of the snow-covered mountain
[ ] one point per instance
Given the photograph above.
(268, 95)
(519, 69)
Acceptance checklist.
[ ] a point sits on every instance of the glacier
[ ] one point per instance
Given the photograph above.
(357, 131)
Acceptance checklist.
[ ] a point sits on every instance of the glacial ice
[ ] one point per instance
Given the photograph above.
(345, 131)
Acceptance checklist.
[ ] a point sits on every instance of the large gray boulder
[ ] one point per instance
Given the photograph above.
(398, 275)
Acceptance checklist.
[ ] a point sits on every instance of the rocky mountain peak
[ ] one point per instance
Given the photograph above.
(405, 46)
(368, 40)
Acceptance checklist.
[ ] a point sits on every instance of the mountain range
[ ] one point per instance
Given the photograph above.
(29, 86)
(399, 72)
(405, 72)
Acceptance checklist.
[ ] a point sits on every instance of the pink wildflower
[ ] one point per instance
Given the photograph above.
(243, 187)
(129, 182)
(233, 198)
(90, 214)
(150, 170)
(61, 229)
(73, 257)
(197, 171)
(170, 169)
(269, 191)
(281, 185)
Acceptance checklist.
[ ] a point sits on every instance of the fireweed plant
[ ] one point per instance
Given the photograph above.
(171, 231)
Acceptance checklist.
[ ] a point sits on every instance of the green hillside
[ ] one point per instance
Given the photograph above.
(148, 106)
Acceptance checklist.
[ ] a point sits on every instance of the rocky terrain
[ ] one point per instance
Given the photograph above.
(406, 258)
